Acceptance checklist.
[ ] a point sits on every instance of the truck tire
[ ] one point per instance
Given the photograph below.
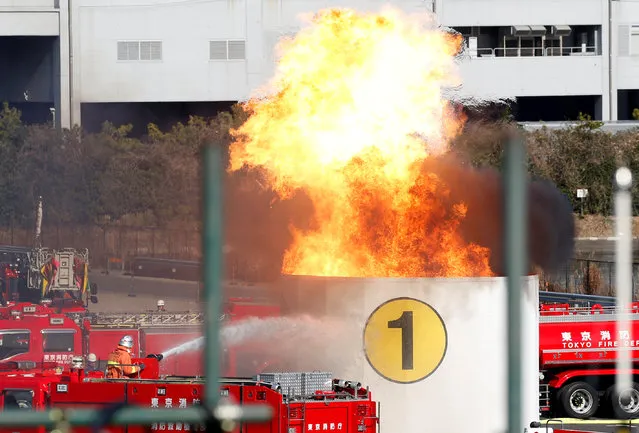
(579, 400)
(624, 405)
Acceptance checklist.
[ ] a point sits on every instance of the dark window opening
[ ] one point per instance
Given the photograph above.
(30, 83)
(139, 114)
(532, 40)
(13, 343)
(61, 341)
(628, 104)
(556, 108)
(18, 399)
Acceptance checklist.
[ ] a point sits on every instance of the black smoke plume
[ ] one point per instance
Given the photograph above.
(551, 226)
(257, 225)
(258, 222)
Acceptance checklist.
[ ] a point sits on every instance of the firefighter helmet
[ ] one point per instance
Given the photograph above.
(77, 362)
(161, 303)
(127, 341)
(92, 357)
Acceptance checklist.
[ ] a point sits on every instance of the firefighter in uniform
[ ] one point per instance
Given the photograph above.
(119, 364)
(92, 361)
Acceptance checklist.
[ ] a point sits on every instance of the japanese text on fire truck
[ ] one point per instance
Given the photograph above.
(600, 339)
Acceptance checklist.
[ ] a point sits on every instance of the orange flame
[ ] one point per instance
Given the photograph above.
(357, 110)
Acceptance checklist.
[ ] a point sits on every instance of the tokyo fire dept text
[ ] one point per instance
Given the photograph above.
(604, 340)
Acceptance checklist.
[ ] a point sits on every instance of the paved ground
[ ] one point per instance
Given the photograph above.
(117, 282)
(601, 248)
(118, 292)
(118, 302)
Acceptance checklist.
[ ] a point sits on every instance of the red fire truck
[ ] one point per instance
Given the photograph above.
(31, 332)
(34, 274)
(578, 349)
(301, 402)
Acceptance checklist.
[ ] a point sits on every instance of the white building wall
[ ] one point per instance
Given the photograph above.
(532, 76)
(64, 106)
(91, 71)
(609, 94)
(284, 17)
(523, 12)
(182, 71)
(185, 72)
(627, 44)
(29, 24)
(24, 5)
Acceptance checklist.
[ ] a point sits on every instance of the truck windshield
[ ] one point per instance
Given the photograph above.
(18, 399)
(58, 340)
(14, 342)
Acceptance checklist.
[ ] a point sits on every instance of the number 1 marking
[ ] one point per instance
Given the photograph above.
(405, 323)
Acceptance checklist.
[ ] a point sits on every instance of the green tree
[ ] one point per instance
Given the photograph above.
(12, 133)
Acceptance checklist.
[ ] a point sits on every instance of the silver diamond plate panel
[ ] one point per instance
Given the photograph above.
(298, 384)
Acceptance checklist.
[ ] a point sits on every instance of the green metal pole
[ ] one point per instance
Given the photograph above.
(516, 212)
(135, 415)
(212, 267)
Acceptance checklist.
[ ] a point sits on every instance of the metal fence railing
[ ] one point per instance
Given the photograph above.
(588, 277)
(537, 52)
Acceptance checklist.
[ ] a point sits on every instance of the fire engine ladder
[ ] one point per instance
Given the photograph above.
(143, 319)
(297, 418)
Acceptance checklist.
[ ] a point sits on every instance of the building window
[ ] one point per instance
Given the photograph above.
(227, 50)
(139, 50)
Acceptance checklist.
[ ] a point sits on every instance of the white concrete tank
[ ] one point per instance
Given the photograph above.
(433, 351)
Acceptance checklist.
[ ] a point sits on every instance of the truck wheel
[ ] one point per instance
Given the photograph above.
(579, 400)
(624, 405)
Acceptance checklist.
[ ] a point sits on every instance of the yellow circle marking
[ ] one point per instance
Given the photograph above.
(405, 340)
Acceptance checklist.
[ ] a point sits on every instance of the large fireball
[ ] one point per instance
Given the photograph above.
(357, 110)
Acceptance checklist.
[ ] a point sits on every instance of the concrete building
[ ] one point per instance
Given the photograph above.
(95, 59)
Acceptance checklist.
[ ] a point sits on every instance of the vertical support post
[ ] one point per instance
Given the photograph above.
(610, 276)
(132, 284)
(516, 238)
(623, 232)
(212, 267)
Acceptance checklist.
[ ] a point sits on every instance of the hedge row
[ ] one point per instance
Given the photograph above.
(110, 177)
